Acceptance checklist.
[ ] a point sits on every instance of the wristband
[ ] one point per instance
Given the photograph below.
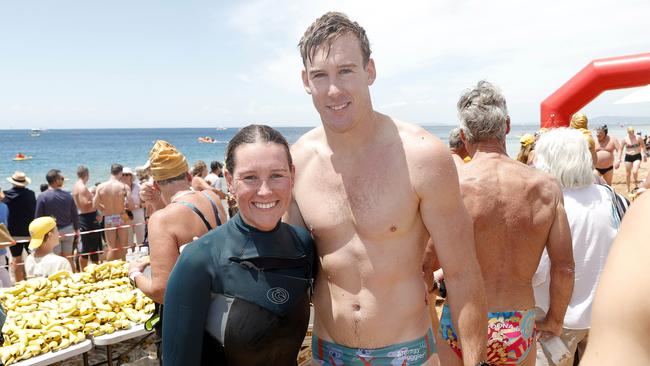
(132, 277)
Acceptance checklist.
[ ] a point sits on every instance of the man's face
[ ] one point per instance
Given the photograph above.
(600, 134)
(338, 83)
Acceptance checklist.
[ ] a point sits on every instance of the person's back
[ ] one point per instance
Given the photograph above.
(110, 197)
(517, 211)
(513, 207)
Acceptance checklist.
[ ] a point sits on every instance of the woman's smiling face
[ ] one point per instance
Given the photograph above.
(262, 183)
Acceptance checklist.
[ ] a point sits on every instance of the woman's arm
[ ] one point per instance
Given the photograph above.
(187, 300)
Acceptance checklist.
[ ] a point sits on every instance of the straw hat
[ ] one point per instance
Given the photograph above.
(19, 179)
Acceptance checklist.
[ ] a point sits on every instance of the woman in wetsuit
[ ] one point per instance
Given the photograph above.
(635, 151)
(239, 295)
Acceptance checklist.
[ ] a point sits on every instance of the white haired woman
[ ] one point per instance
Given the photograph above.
(593, 222)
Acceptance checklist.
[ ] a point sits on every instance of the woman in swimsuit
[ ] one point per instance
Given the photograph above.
(634, 148)
(240, 294)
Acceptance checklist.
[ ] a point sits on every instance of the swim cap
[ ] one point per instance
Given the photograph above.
(527, 139)
(578, 121)
(166, 161)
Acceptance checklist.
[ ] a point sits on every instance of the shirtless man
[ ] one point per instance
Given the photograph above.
(620, 321)
(372, 190)
(608, 152)
(634, 148)
(113, 198)
(517, 212)
(457, 148)
(91, 242)
(185, 215)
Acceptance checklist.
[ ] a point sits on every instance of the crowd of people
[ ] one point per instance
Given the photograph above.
(369, 219)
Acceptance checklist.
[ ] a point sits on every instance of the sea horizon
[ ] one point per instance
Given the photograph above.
(66, 149)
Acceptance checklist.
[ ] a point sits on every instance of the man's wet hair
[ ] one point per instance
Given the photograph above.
(250, 135)
(52, 176)
(328, 28)
(82, 171)
(44, 187)
(483, 113)
(602, 128)
(116, 169)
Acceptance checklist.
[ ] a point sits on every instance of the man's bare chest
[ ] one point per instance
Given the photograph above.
(362, 202)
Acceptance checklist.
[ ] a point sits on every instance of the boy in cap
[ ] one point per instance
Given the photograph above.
(42, 261)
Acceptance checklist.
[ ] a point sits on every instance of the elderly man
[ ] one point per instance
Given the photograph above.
(457, 148)
(608, 153)
(593, 228)
(59, 203)
(185, 214)
(113, 198)
(517, 212)
(21, 202)
(90, 242)
(372, 190)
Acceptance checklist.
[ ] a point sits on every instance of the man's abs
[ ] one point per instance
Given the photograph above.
(372, 301)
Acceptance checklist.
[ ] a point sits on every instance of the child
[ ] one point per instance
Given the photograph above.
(42, 261)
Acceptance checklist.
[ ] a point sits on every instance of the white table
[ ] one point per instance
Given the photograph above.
(137, 330)
(60, 355)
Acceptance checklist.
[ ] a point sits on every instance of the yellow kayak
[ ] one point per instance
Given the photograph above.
(23, 158)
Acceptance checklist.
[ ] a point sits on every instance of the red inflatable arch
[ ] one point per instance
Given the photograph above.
(600, 75)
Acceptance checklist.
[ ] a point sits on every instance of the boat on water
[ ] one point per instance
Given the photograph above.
(221, 128)
(207, 140)
(35, 132)
(20, 157)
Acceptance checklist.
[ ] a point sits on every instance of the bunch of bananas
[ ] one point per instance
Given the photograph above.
(49, 314)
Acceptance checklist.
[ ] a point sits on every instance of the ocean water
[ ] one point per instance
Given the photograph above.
(98, 149)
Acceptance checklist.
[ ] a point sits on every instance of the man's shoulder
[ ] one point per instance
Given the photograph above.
(312, 140)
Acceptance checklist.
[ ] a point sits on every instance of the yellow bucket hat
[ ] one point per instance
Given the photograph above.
(578, 121)
(38, 228)
(166, 161)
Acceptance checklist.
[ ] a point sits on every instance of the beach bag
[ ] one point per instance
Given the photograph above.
(620, 204)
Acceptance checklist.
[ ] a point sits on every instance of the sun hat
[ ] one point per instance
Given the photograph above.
(19, 179)
(127, 170)
(38, 228)
(166, 161)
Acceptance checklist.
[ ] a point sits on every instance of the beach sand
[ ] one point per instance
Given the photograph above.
(618, 183)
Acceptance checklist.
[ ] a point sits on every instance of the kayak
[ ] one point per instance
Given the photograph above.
(23, 158)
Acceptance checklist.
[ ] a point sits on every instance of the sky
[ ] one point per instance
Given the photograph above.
(151, 64)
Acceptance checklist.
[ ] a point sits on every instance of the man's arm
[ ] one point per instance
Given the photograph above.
(620, 319)
(97, 199)
(618, 152)
(453, 241)
(560, 253)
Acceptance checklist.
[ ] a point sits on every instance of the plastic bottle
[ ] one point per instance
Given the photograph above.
(130, 257)
(556, 348)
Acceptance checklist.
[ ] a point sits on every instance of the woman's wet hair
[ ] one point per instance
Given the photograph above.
(250, 135)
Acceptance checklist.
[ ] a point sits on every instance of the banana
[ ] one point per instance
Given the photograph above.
(59, 275)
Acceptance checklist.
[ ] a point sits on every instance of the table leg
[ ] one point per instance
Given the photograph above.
(109, 355)
(85, 357)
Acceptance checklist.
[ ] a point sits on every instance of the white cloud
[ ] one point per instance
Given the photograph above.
(529, 49)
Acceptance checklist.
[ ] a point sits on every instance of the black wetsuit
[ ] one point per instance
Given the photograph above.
(239, 296)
